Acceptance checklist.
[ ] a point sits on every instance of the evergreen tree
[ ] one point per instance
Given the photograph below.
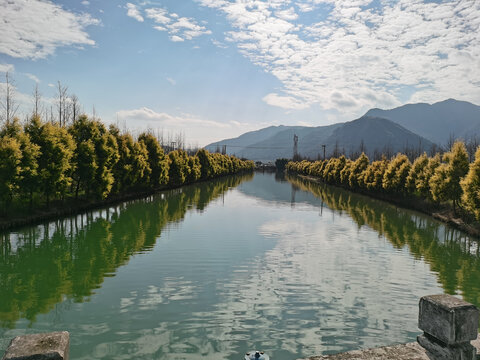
(206, 164)
(157, 160)
(471, 187)
(419, 166)
(10, 160)
(447, 177)
(357, 173)
(396, 174)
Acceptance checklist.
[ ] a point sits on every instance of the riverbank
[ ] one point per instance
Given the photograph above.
(439, 212)
(61, 209)
(409, 351)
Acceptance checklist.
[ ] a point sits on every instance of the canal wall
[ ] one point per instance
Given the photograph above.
(449, 325)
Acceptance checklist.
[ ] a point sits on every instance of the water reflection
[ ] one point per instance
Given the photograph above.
(452, 255)
(292, 268)
(69, 258)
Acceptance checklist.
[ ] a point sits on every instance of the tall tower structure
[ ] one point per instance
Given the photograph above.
(295, 146)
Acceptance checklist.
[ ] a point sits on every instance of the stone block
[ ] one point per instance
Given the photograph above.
(448, 319)
(48, 346)
(440, 351)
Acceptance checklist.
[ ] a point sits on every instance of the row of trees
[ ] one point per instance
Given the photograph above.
(445, 178)
(44, 161)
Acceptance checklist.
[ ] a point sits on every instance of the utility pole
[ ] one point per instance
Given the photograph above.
(295, 146)
(323, 146)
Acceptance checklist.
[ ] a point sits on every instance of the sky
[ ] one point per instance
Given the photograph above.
(214, 69)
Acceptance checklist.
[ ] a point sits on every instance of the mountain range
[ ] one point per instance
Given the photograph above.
(412, 126)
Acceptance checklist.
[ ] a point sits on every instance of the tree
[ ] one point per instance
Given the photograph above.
(423, 178)
(447, 177)
(157, 160)
(37, 99)
(280, 164)
(471, 187)
(75, 105)
(29, 177)
(178, 169)
(373, 175)
(206, 164)
(85, 133)
(356, 175)
(419, 166)
(62, 104)
(132, 169)
(56, 152)
(9, 104)
(195, 171)
(10, 158)
(396, 174)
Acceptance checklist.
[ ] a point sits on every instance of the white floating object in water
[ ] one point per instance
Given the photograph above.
(256, 355)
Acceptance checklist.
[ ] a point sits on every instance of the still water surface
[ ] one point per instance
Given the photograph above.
(215, 269)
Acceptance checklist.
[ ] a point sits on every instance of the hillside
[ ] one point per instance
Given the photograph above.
(375, 133)
(436, 122)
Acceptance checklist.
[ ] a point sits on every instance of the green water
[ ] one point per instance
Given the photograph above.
(219, 268)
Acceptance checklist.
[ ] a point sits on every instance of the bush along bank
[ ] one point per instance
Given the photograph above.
(48, 168)
(445, 186)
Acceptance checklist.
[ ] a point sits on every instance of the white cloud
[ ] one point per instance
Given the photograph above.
(85, 2)
(176, 38)
(32, 77)
(195, 128)
(178, 28)
(133, 12)
(357, 57)
(6, 68)
(286, 102)
(160, 16)
(34, 29)
(171, 81)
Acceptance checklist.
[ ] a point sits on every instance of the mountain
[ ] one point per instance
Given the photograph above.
(436, 122)
(374, 133)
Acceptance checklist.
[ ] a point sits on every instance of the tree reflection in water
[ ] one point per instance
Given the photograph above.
(452, 255)
(69, 258)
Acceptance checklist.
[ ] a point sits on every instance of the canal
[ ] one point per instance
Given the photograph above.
(215, 269)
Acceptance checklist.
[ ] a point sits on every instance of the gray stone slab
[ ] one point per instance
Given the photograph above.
(410, 351)
(448, 319)
(440, 351)
(47, 346)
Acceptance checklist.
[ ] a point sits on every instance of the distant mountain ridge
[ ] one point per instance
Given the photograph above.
(436, 122)
(418, 126)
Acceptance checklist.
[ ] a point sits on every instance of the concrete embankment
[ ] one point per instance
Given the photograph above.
(410, 351)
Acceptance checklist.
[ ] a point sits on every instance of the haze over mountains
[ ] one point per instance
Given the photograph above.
(414, 126)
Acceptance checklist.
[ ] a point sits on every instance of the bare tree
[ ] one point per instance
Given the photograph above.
(62, 103)
(75, 107)
(451, 141)
(336, 150)
(472, 145)
(37, 99)
(9, 104)
(180, 140)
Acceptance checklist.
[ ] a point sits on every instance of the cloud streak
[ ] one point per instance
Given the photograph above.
(178, 28)
(201, 130)
(360, 55)
(35, 29)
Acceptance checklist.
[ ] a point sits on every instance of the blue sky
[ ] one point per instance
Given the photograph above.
(214, 69)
